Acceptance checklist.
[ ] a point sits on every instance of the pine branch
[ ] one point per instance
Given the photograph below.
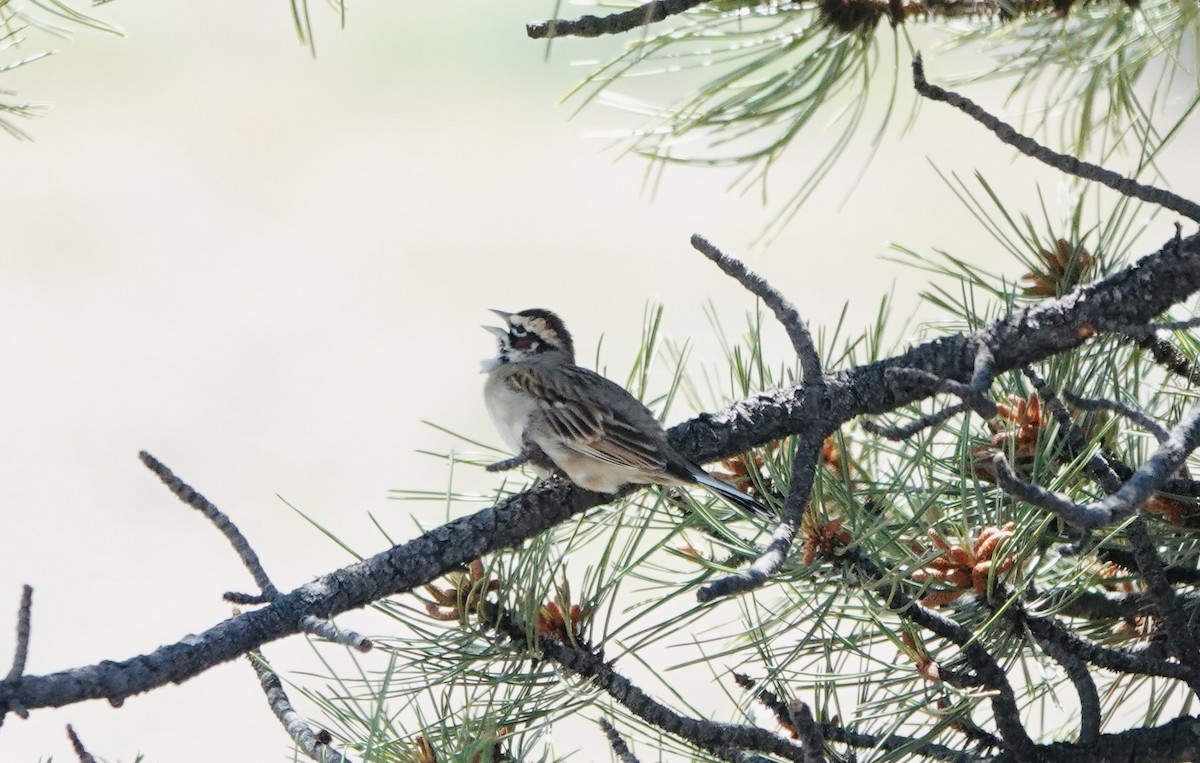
(1134, 295)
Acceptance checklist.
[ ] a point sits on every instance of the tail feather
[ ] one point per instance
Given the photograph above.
(732, 494)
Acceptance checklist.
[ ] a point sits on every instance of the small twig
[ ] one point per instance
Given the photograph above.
(1190, 323)
(82, 753)
(1085, 688)
(297, 729)
(974, 398)
(804, 471)
(1124, 558)
(985, 372)
(785, 312)
(808, 731)
(1182, 486)
(1100, 404)
(620, 749)
(185, 493)
(901, 433)
(1127, 661)
(327, 630)
(837, 733)
(234, 597)
(1165, 354)
(1064, 163)
(1093, 605)
(1179, 637)
(509, 463)
(1100, 468)
(1119, 505)
(1086, 517)
(725, 740)
(21, 653)
(1078, 546)
(768, 698)
(1149, 328)
(615, 23)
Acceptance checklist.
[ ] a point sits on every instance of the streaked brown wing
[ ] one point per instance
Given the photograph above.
(625, 445)
(568, 408)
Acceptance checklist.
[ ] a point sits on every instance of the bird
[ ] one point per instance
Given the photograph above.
(568, 420)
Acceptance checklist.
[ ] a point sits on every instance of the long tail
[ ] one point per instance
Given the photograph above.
(733, 495)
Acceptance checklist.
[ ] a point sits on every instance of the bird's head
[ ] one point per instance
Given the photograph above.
(533, 335)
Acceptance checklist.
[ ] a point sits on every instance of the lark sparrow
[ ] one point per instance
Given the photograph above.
(563, 418)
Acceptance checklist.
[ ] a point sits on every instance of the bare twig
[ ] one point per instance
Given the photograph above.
(973, 398)
(726, 740)
(235, 597)
(515, 462)
(77, 745)
(297, 729)
(973, 395)
(21, 653)
(185, 493)
(1179, 637)
(785, 313)
(808, 731)
(1146, 480)
(1167, 356)
(1062, 162)
(1127, 411)
(1124, 558)
(1048, 630)
(620, 749)
(804, 471)
(615, 23)
(835, 732)
(906, 431)
(1093, 605)
(1085, 688)
(1148, 328)
(1061, 506)
(326, 629)
(984, 372)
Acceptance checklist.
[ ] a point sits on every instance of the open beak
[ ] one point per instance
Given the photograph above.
(499, 332)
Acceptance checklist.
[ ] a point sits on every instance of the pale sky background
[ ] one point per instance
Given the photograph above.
(267, 270)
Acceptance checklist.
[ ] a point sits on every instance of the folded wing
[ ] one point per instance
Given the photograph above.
(576, 405)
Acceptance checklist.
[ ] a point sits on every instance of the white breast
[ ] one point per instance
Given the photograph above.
(510, 410)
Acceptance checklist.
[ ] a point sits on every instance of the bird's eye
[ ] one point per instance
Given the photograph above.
(517, 331)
